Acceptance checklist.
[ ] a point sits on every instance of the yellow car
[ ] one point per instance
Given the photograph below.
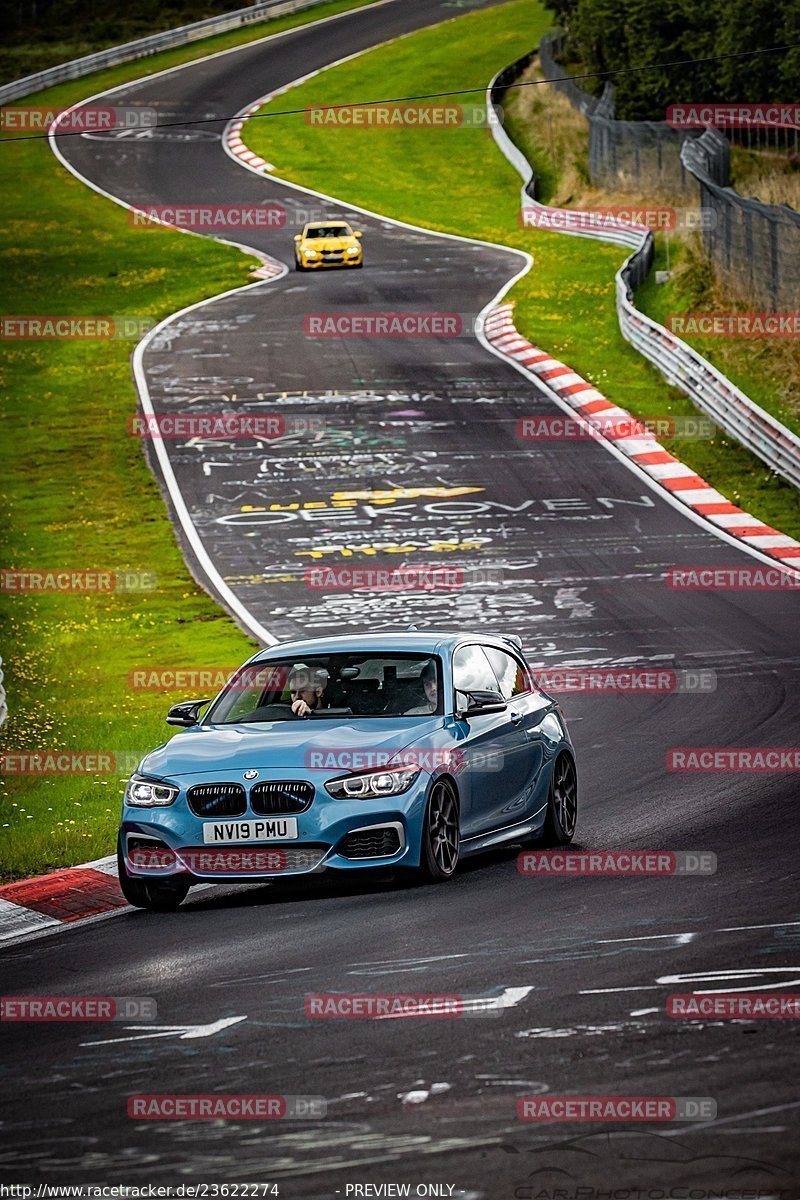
(333, 244)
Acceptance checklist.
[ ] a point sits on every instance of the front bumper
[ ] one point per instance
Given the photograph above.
(314, 264)
(342, 834)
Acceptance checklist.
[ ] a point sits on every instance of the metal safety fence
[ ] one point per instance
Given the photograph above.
(756, 245)
(622, 154)
(753, 245)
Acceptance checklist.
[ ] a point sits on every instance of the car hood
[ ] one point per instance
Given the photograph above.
(330, 243)
(271, 745)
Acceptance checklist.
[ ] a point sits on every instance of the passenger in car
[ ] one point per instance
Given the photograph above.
(431, 689)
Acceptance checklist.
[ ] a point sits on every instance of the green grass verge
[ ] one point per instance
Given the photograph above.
(454, 179)
(66, 32)
(75, 493)
(70, 92)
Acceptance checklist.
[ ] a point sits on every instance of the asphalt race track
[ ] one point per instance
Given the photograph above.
(579, 544)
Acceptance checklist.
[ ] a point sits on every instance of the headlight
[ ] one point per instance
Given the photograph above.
(353, 249)
(149, 793)
(310, 253)
(378, 783)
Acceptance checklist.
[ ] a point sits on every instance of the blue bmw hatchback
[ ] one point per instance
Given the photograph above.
(407, 750)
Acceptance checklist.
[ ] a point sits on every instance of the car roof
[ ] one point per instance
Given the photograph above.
(329, 221)
(400, 641)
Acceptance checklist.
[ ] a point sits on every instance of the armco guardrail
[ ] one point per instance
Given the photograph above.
(682, 366)
(141, 48)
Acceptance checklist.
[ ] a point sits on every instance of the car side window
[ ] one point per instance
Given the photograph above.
(512, 677)
(472, 671)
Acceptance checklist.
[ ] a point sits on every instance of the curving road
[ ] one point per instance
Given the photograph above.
(582, 543)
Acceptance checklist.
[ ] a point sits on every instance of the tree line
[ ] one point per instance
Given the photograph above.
(615, 35)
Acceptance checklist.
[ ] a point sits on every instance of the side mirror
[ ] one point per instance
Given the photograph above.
(484, 702)
(357, 233)
(186, 714)
(297, 237)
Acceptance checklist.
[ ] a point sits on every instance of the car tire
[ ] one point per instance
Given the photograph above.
(159, 895)
(298, 266)
(440, 845)
(562, 804)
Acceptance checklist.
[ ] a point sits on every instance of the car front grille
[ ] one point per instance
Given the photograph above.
(371, 843)
(217, 799)
(281, 796)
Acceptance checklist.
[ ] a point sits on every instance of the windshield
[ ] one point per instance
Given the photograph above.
(322, 231)
(330, 686)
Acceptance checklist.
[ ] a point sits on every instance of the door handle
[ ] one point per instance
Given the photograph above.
(516, 717)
